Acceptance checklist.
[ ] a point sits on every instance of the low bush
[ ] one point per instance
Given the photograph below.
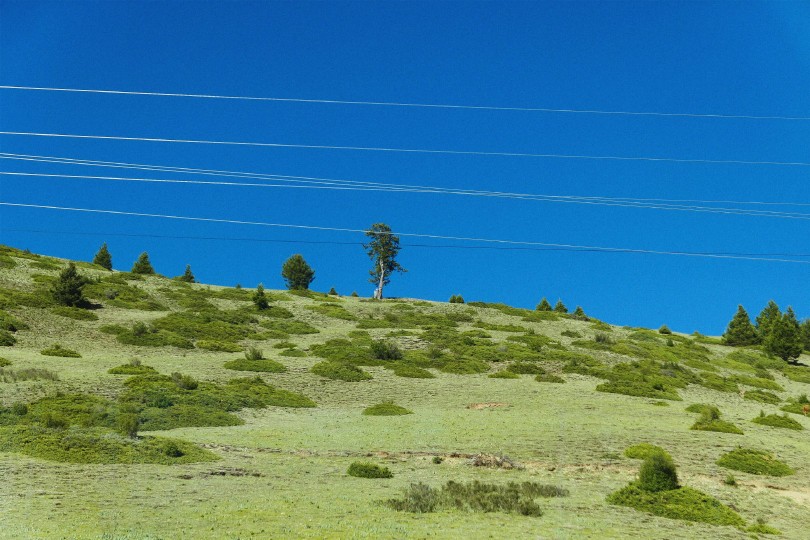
(362, 469)
(639, 389)
(340, 371)
(387, 408)
(294, 353)
(504, 374)
(762, 397)
(683, 503)
(476, 496)
(402, 369)
(704, 423)
(218, 346)
(754, 462)
(4, 362)
(10, 323)
(643, 451)
(549, 378)
(658, 473)
(113, 290)
(144, 335)
(263, 366)
(57, 350)
(134, 367)
(525, 368)
(774, 420)
(74, 313)
(571, 333)
(26, 374)
(7, 339)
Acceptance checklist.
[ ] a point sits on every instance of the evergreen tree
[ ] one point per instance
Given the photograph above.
(332, 292)
(187, 276)
(740, 332)
(259, 298)
(805, 333)
(297, 273)
(579, 314)
(543, 305)
(142, 265)
(103, 257)
(383, 250)
(559, 307)
(767, 318)
(67, 290)
(784, 339)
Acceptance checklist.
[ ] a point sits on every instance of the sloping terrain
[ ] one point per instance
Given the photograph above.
(186, 411)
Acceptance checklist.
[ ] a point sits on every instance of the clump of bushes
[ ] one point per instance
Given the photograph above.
(456, 299)
(525, 368)
(549, 378)
(144, 335)
(387, 408)
(7, 339)
(218, 346)
(476, 496)
(26, 374)
(798, 405)
(710, 420)
(263, 366)
(754, 462)
(362, 469)
(340, 371)
(657, 491)
(774, 420)
(57, 350)
(571, 333)
(643, 451)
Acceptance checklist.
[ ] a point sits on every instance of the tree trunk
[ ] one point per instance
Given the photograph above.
(382, 278)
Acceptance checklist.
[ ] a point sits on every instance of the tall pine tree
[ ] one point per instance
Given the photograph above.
(543, 305)
(767, 318)
(142, 265)
(103, 257)
(67, 290)
(784, 339)
(559, 307)
(806, 335)
(740, 332)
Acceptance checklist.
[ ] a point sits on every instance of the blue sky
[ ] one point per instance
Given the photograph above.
(715, 58)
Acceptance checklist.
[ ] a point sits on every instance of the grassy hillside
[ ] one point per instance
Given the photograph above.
(188, 412)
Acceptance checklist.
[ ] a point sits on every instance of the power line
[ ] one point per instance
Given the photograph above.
(442, 191)
(105, 234)
(406, 150)
(410, 105)
(266, 176)
(405, 234)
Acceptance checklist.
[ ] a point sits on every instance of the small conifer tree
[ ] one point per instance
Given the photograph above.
(297, 273)
(332, 292)
(142, 265)
(767, 318)
(740, 331)
(354, 294)
(103, 257)
(805, 333)
(784, 339)
(67, 290)
(658, 473)
(543, 305)
(187, 276)
(456, 299)
(664, 329)
(559, 307)
(259, 298)
(579, 314)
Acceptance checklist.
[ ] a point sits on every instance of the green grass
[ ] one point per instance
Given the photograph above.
(58, 350)
(387, 408)
(754, 462)
(504, 374)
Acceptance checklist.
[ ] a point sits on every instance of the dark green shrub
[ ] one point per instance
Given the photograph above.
(103, 257)
(332, 292)
(385, 350)
(68, 287)
(368, 470)
(543, 305)
(774, 420)
(683, 503)
(4, 362)
(134, 367)
(643, 451)
(664, 330)
(254, 353)
(387, 408)
(128, 425)
(456, 299)
(186, 382)
(437, 460)
(260, 299)
(525, 368)
(339, 371)
(188, 276)
(571, 334)
(295, 353)
(729, 480)
(57, 350)
(603, 339)
(7, 339)
(579, 314)
(10, 323)
(262, 366)
(549, 378)
(754, 462)
(658, 473)
(354, 294)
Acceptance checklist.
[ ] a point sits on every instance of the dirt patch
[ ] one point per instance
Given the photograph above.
(487, 405)
(495, 461)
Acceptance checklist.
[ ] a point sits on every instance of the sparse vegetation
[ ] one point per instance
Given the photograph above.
(754, 462)
(57, 350)
(387, 408)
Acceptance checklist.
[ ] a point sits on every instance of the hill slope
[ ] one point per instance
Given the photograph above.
(232, 444)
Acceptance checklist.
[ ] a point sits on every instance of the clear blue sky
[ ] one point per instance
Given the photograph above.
(720, 58)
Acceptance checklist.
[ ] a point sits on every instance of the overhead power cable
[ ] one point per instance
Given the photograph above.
(440, 191)
(308, 179)
(491, 241)
(409, 105)
(406, 150)
(332, 242)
